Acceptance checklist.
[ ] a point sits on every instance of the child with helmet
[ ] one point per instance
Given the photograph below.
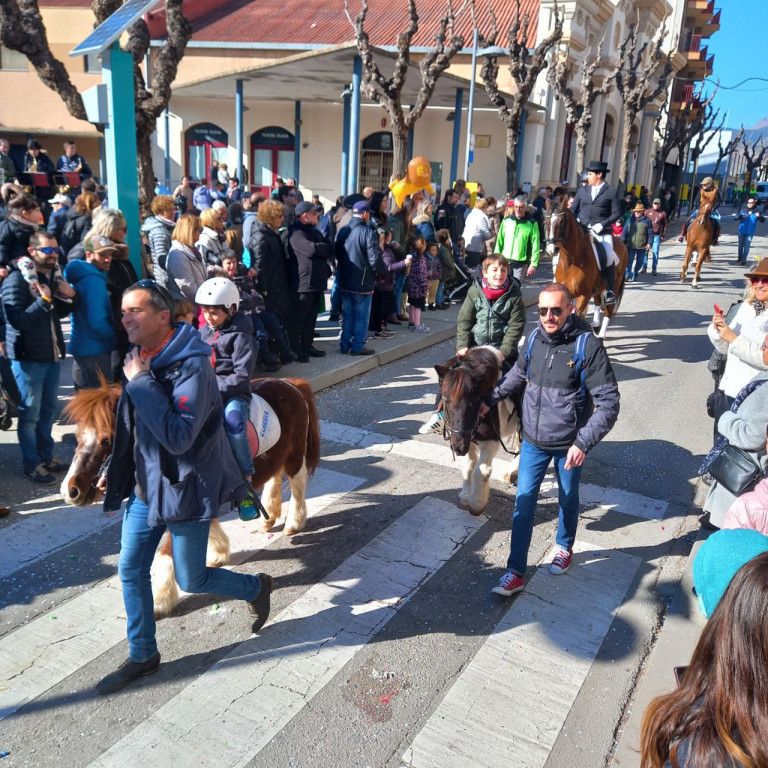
(230, 334)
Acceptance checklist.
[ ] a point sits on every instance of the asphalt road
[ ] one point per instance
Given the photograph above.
(385, 647)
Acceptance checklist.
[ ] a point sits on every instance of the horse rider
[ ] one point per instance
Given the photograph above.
(597, 206)
(570, 403)
(707, 185)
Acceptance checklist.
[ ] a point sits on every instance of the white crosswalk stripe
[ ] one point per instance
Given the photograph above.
(509, 705)
(229, 714)
(42, 653)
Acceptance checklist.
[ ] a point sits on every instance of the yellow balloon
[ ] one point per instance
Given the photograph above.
(418, 177)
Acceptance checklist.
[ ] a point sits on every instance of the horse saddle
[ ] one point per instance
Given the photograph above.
(601, 255)
(263, 427)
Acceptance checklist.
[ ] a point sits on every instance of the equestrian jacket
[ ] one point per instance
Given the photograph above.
(604, 209)
(232, 355)
(555, 414)
(93, 323)
(358, 257)
(498, 325)
(33, 325)
(170, 448)
(519, 239)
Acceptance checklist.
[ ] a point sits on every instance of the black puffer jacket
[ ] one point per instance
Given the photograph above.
(33, 327)
(14, 241)
(554, 414)
(313, 254)
(234, 357)
(277, 281)
(75, 228)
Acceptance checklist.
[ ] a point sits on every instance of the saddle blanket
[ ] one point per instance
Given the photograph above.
(263, 427)
(613, 259)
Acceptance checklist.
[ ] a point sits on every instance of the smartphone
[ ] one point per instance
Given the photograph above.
(718, 311)
(679, 674)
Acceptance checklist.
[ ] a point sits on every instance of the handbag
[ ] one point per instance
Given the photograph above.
(735, 470)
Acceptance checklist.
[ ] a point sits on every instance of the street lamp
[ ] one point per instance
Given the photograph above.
(493, 50)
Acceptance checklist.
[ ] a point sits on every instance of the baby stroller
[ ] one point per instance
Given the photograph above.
(463, 280)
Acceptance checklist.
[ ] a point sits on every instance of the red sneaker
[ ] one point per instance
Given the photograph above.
(510, 584)
(561, 562)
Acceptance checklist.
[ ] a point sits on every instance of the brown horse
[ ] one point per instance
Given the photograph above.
(699, 237)
(296, 453)
(577, 267)
(465, 381)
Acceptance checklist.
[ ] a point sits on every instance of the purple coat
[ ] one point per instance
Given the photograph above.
(417, 282)
(387, 282)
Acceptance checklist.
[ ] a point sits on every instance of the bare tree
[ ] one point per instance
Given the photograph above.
(754, 155)
(642, 75)
(724, 150)
(524, 67)
(578, 107)
(708, 128)
(22, 29)
(386, 91)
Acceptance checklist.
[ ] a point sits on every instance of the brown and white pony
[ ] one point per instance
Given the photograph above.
(296, 454)
(465, 381)
(699, 237)
(577, 267)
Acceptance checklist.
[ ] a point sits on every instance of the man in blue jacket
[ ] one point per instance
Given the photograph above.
(172, 461)
(35, 346)
(358, 258)
(94, 336)
(747, 226)
(570, 404)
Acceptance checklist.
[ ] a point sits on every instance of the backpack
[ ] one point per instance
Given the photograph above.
(579, 358)
(70, 235)
(180, 203)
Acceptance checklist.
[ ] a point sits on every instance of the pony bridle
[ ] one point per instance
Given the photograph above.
(554, 242)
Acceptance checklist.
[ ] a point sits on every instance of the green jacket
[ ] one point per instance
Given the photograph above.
(519, 240)
(498, 325)
(446, 259)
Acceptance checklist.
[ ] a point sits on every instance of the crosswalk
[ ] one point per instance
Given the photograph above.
(530, 667)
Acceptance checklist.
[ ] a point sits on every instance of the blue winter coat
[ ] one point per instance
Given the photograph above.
(358, 257)
(170, 446)
(234, 359)
(748, 222)
(93, 322)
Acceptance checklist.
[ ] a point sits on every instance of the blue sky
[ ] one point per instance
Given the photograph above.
(739, 47)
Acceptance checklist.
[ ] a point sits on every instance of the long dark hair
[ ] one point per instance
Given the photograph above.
(720, 710)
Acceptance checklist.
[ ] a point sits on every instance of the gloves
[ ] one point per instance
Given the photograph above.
(597, 228)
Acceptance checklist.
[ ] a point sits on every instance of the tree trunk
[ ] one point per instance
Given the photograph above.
(146, 171)
(582, 139)
(629, 119)
(400, 160)
(512, 137)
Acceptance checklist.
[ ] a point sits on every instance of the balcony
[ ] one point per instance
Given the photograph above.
(697, 64)
(702, 16)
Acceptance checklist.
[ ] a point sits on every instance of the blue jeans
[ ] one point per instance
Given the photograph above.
(235, 421)
(533, 466)
(356, 311)
(655, 243)
(86, 368)
(38, 385)
(745, 242)
(636, 255)
(336, 297)
(400, 279)
(439, 298)
(137, 550)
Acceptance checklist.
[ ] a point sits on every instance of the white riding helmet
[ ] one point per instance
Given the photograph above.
(218, 291)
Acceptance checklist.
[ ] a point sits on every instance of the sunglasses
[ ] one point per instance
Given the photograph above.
(49, 250)
(163, 293)
(556, 311)
(758, 280)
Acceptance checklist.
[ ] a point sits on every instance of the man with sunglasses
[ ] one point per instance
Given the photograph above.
(35, 346)
(570, 403)
(747, 226)
(171, 459)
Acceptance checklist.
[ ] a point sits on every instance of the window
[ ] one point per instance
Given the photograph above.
(12, 61)
(92, 62)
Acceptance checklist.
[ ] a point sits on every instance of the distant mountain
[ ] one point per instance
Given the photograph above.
(760, 125)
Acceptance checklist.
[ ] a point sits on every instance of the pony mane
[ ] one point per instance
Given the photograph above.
(95, 409)
(474, 374)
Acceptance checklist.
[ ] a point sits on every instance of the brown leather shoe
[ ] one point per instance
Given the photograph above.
(126, 673)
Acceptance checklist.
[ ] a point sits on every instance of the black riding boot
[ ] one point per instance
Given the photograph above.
(609, 273)
(716, 229)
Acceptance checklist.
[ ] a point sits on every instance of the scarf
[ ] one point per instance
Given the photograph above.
(144, 354)
(25, 222)
(759, 307)
(493, 293)
(721, 442)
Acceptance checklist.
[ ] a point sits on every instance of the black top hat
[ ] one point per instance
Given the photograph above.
(598, 166)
